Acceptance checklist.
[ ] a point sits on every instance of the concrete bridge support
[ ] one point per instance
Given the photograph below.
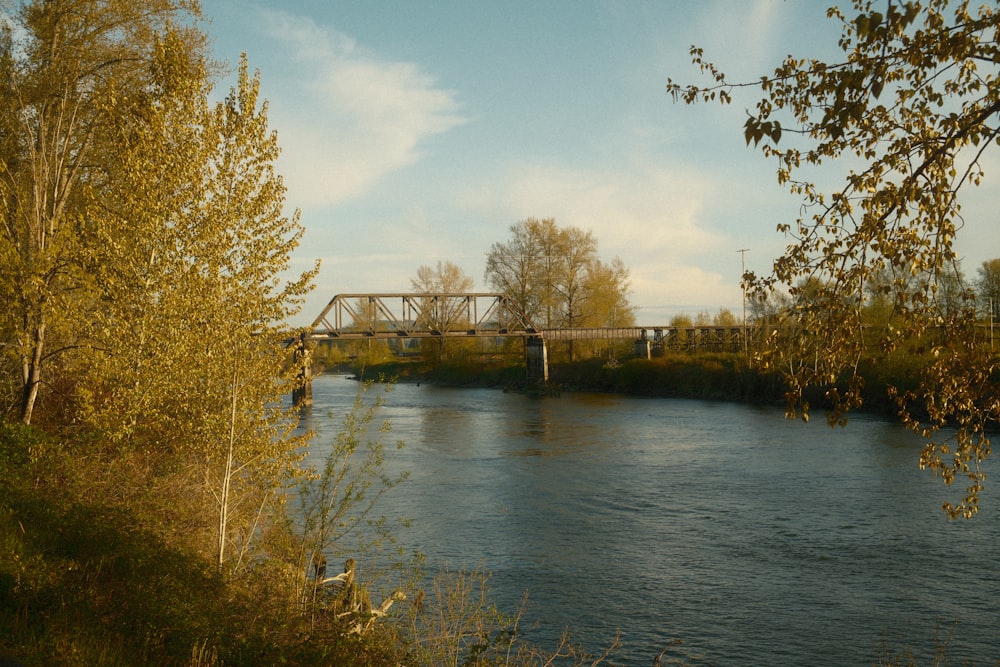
(536, 359)
(643, 349)
(302, 394)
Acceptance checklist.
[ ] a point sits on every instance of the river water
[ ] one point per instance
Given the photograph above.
(750, 538)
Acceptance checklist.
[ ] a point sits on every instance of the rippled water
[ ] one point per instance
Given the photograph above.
(753, 539)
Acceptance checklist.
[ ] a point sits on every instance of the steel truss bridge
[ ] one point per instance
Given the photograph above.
(447, 314)
(488, 315)
(485, 315)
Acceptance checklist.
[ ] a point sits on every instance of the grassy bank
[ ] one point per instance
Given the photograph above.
(88, 577)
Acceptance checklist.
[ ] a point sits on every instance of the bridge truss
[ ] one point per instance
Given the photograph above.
(382, 316)
(489, 315)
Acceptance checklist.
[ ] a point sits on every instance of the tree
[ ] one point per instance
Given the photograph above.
(914, 102)
(951, 293)
(438, 313)
(521, 267)
(446, 278)
(248, 241)
(557, 278)
(145, 301)
(575, 252)
(605, 303)
(725, 318)
(608, 287)
(68, 66)
(881, 307)
(188, 245)
(988, 287)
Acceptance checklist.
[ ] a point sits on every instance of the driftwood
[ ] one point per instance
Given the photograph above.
(351, 601)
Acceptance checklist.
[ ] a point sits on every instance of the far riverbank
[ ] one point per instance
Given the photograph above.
(717, 377)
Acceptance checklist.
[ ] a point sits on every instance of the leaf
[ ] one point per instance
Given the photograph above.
(776, 132)
(877, 87)
(894, 211)
(861, 24)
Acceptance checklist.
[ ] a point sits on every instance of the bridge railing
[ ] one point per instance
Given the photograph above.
(702, 339)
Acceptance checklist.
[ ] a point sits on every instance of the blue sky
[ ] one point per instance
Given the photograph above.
(414, 132)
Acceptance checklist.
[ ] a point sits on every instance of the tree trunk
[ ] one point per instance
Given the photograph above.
(32, 375)
(227, 479)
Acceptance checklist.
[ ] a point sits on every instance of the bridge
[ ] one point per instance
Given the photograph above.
(444, 315)
(447, 314)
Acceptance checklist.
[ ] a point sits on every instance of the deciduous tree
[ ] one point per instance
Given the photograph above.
(244, 255)
(911, 109)
(189, 249)
(440, 313)
(608, 286)
(988, 287)
(557, 278)
(68, 66)
(519, 267)
(447, 277)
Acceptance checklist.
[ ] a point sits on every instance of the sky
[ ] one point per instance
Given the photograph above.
(414, 132)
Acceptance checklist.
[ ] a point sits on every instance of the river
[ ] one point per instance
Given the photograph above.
(751, 538)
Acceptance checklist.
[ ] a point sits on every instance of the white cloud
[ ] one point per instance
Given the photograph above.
(348, 117)
(646, 213)
(648, 216)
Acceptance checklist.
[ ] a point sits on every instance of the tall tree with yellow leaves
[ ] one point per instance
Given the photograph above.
(66, 66)
(195, 246)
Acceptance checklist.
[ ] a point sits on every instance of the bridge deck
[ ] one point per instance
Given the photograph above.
(654, 334)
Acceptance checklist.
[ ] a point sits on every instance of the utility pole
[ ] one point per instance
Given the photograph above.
(743, 266)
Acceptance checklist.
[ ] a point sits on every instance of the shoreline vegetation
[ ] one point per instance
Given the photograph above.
(706, 376)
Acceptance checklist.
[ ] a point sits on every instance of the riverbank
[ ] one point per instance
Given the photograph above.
(717, 377)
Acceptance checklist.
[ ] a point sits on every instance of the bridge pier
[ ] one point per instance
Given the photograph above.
(302, 394)
(536, 359)
(643, 349)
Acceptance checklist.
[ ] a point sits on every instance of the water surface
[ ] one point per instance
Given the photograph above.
(753, 539)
